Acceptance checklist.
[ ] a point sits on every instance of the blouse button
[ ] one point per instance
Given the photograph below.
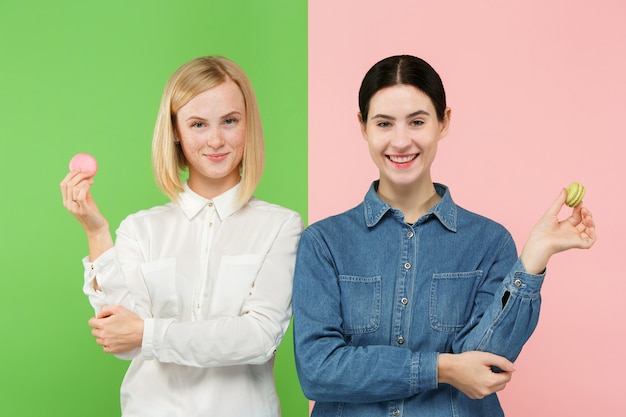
(210, 204)
(518, 282)
(407, 266)
(400, 340)
(404, 300)
(409, 234)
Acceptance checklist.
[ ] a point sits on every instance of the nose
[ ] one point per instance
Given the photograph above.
(400, 138)
(214, 138)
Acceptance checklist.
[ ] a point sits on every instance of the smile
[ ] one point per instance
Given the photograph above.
(402, 159)
(216, 157)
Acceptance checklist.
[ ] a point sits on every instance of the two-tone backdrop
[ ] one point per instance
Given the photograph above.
(538, 94)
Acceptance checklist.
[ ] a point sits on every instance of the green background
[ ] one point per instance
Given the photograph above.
(87, 76)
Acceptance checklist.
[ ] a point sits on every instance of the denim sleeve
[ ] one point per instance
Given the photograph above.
(507, 306)
(329, 368)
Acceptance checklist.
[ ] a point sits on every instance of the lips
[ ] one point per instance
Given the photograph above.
(216, 157)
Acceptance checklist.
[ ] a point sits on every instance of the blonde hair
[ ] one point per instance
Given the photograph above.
(188, 81)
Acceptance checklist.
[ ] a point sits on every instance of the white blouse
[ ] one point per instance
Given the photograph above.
(213, 283)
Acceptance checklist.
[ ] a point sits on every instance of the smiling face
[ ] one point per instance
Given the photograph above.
(211, 129)
(402, 132)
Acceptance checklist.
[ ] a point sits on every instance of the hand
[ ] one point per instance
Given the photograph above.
(117, 329)
(550, 236)
(471, 372)
(77, 200)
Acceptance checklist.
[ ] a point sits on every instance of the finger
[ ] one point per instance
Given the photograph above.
(586, 228)
(558, 203)
(67, 187)
(81, 190)
(107, 311)
(64, 182)
(499, 387)
(576, 217)
(587, 217)
(72, 185)
(501, 362)
(94, 323)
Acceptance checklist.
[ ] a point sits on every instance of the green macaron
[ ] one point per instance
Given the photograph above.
(575, 193)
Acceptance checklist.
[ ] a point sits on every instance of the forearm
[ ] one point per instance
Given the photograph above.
(99, 241)
(508, 320)
(535, 257)
(358, 374)
(217, 341)
(105, 283)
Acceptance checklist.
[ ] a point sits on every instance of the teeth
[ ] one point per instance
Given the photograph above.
(402, 159)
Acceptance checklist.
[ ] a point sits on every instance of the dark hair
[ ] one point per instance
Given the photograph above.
(402, 69)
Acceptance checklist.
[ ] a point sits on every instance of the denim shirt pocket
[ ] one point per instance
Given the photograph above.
(451, 300)
(360, 303)
(160, 279)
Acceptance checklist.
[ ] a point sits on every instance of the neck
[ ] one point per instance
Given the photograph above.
(414, 201)
(210, 189)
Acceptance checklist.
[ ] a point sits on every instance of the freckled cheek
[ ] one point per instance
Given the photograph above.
(237, 141)
(192, 145)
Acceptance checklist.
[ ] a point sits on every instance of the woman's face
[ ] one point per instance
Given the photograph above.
(211, 129)
(402, 132)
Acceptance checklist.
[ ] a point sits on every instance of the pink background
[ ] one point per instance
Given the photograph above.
(538, 94)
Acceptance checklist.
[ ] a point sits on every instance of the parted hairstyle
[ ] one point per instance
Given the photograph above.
(193, 78)
(407, 70)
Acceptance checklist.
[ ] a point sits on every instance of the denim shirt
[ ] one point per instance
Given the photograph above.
(376, 300)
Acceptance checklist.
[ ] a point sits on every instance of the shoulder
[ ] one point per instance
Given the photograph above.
(341, 224)
(483, 231)
(264, 207)
(467, 218)
(263, 211)
(152, 215)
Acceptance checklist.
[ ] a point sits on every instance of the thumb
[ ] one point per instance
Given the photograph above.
(502, 363)
(106, 311)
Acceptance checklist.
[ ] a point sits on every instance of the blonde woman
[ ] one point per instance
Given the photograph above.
(196, 292)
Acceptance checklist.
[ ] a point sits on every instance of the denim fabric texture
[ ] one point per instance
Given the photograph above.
(376, 300)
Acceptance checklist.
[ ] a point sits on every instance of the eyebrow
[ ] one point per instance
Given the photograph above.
(417, 113)
(226, 116)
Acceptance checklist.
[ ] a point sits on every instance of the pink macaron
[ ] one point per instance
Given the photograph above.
(85, 163)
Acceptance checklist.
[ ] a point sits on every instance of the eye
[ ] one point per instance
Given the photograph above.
(417, 122)
(230, 121)
(197, 125)
(383, 124)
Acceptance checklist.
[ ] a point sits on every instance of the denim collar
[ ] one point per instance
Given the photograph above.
(225, 204)
(445, 210)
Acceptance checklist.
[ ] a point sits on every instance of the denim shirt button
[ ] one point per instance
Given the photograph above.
(404, 300)
(409, 234)
(407, 266)
(395, 412)
(518, 282)
(400, 340)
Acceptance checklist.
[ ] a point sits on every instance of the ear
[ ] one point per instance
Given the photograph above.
(362, 123)
(445, 124)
